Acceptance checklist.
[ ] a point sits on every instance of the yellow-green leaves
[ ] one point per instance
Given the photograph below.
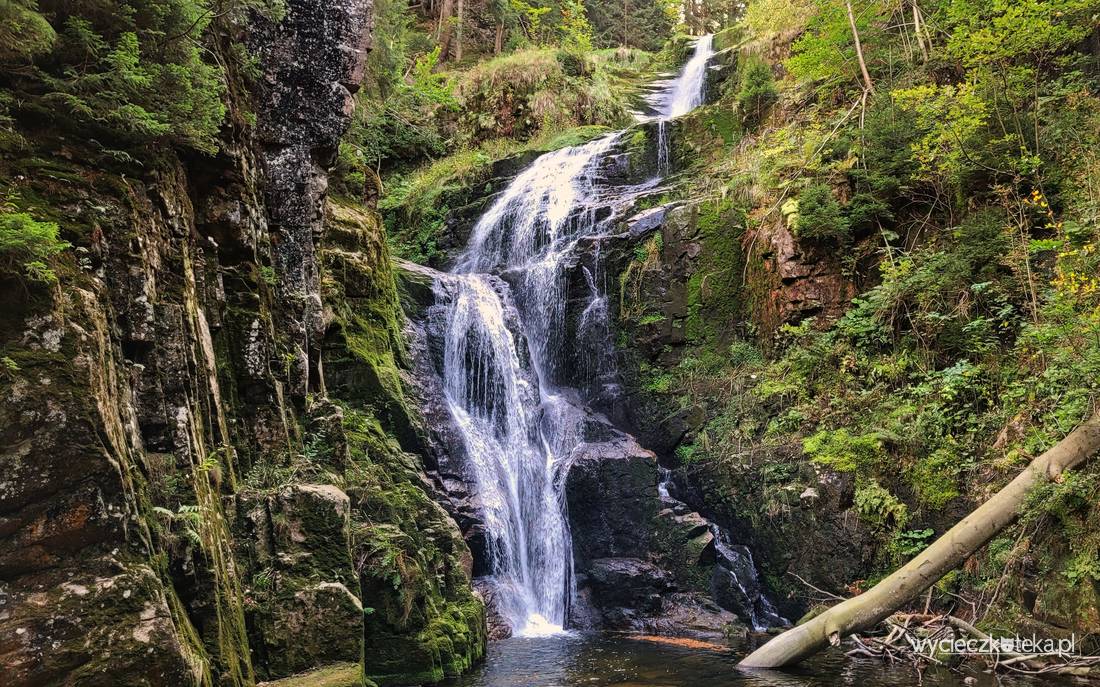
(948, 117)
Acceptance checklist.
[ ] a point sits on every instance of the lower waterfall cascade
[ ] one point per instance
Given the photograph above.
(519, 407)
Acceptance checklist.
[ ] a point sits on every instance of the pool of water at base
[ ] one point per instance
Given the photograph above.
(594, 660)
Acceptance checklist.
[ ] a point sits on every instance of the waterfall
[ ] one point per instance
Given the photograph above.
(687, 92)
(682, 95)
(505, 370)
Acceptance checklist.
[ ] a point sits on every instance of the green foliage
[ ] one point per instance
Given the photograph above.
(134, 71)
(1083, 568)
(688, 453)
(524, 94)
(27, 245)
(820, 216)
(1004, 32)
(879, 508)
(948, 118)
(767, 18)
(644, 24)
(840, 450)
(531, 18)
(825, 53)
(882, 179)
(908, 543)
(743, 353)
(416, 205)
(576, 32)
(756, 92)
(396, 119)
(962, 197)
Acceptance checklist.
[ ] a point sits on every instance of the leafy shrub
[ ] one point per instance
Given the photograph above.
(756, 92)
(825, 52)
(688, 453)
(880, 182)
(26, 245)
(908, 543)
(878, 507)
(744, 353)
(576, 32)
(820, 216)
(840, 450)
(131, 69)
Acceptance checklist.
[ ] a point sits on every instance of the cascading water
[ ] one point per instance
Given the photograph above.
(503, 365)
(687, 92)
(683, 95)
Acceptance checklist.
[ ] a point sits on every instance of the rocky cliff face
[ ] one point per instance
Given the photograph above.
(210, 474)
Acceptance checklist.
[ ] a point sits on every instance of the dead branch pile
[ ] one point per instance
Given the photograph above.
(911, 638)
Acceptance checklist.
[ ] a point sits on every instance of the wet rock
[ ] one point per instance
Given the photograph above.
(311, 63)
(628, 594)
(694, 615)
(611, 487)
(736, 588)
(686, 536)
(818, 541)
(622, 586)
(497, 627)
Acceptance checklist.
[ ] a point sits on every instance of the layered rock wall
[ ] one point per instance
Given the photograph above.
(181, 500)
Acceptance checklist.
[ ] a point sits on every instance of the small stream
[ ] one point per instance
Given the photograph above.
(592, 660)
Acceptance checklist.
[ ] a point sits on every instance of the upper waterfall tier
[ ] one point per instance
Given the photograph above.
(687, 91)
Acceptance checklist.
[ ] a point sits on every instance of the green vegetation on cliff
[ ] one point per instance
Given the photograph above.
(917, 265)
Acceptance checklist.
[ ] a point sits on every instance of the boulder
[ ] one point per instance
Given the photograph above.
(628, 585)
(301, 611)
(611, 491)
(690, 614)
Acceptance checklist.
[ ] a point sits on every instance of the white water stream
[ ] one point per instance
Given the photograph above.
(504, 356)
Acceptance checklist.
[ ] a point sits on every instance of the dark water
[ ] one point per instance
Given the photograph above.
(595, 660)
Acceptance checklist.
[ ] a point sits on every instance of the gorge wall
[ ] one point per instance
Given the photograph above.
(211, 473)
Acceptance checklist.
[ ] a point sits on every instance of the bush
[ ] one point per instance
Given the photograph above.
(757, 91)
(820, 216)
(127, 69)
(26, 245)
(878, 507)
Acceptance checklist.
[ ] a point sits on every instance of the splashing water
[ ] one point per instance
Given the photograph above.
(505, 361)
(681, 96)
(687, 91)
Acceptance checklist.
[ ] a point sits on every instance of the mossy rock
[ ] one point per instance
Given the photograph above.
(337, 675)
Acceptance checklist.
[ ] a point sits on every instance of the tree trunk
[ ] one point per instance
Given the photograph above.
(918, 31)
(946, 553)
(458, 31)
(867, 85)
(446, 11)
(498, 43)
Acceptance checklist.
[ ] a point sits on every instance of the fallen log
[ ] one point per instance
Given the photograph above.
(943, 555)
